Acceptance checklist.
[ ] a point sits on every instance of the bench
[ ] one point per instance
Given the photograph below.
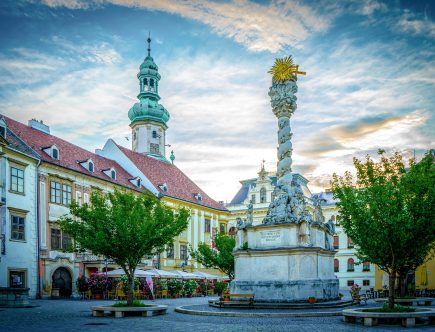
(243, 299)
(119, 312)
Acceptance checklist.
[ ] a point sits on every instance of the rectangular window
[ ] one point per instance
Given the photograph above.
(17, 180)
(183, 252)
(66, 194)
(253, 199)
(222, 228)
(55, 192)
(350, 282)
(66, 241)
(55, 239)
(154, 148)
(86, 198)
(79, 198)
(207, 225)
(366, 282)
(17, 278)
(170, 251)
(18, 228)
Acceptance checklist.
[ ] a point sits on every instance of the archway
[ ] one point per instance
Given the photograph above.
(62, 280)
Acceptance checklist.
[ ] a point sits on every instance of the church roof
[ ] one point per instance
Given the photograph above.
(179, 185)
(70, 155)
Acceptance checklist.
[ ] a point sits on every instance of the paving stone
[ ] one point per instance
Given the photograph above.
(70, 315)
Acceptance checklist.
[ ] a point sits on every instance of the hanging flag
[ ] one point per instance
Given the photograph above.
(150, 284)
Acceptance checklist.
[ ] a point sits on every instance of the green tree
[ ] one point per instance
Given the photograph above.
(221, 258)
(123, 227)
(388, 212)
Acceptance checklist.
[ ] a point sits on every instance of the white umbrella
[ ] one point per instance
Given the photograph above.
(187, 275)
(137, 273)
(163, 274)
(208, 276)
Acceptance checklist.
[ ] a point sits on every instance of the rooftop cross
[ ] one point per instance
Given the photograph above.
(149, 44)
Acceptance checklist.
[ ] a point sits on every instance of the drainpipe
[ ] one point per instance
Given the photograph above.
(38, 236)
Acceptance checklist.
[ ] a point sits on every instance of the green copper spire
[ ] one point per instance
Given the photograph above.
(148, 107)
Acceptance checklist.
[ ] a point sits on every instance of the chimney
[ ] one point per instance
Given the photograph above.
(39, 125)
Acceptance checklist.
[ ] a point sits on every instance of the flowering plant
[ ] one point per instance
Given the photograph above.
(175, 286)
(355, 289)
(98, 282)
(190, 287)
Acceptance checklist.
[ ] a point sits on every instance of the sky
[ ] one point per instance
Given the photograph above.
(369, 85)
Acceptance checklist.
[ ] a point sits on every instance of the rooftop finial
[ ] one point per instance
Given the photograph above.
(149, 44)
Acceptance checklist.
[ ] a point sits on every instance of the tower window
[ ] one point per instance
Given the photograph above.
(154, 134)
(154, 148)
(91, 166)
(263, 195)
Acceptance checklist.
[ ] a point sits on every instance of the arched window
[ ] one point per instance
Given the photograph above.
(336, 242)
(263, 197)
(91, 166)
(349, 243)
(333, 218)
(350, 265)
(151, 85)
(145, 84)
(366, 267)
(336, 265)
(113, 174)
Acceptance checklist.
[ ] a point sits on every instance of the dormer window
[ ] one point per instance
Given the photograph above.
(110, 172)
(52, 151)
(198, 197)
(88, 164)
(3, 128)
(163, 187)
(55, 153)
(136, 181)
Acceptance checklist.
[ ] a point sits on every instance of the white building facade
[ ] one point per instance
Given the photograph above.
(18, 213)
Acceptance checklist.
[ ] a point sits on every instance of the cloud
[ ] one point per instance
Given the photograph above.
(414, 24)
(258, 27)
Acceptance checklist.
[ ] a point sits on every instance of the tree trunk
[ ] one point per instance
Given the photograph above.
(130, 288)
(392, 286)
(402, 282)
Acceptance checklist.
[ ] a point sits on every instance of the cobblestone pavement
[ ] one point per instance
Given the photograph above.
(70, 315)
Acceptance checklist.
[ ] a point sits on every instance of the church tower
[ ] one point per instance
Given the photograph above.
(148, 117)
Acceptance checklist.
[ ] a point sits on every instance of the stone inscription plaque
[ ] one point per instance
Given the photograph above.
(270, 238)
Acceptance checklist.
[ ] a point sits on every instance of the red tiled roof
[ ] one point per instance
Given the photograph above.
(179, 185)
(69, 154)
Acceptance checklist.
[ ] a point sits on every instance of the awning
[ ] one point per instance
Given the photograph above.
(137, 273)
(208, 276)
(187, 275)
(163, 274)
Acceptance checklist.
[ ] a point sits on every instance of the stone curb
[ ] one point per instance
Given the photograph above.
(183, 310)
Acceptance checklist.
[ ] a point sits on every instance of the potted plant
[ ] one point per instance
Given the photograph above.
(312, 300)
(220, 287)
(190, 287)
(175, 287)
(98, 283)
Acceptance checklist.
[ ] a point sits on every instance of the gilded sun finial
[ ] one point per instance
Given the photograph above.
(284, 69)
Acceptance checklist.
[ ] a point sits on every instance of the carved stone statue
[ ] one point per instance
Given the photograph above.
(304, 234)
(250, 214)
(318, 215)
